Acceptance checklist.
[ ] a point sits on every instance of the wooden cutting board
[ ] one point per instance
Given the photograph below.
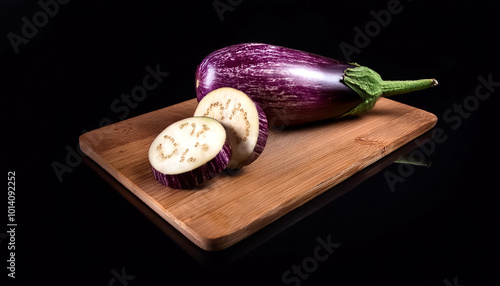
(296, 166)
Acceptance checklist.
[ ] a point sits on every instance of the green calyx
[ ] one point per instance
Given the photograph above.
(370, 87)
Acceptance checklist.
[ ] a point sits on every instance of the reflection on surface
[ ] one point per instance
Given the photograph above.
(213, 259)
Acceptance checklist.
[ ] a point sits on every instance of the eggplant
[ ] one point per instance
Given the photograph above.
(295, 87)
(244, 120)
(189, 152)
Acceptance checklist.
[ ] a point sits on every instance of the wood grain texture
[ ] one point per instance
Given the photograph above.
(296, 166)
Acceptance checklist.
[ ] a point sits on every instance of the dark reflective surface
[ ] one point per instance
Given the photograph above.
(219, 258)
(90, 63)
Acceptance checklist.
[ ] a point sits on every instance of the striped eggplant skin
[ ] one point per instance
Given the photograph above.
(248, 137)
(198, 176)
(293, 87)
(261, 139)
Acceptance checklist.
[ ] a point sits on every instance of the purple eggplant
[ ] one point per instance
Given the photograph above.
(189, 152)
(244, 120)
(295, 87)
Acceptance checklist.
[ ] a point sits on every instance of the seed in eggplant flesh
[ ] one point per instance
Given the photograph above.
(189, 152)
(245, 123)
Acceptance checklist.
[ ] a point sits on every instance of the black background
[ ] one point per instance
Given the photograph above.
(440, 226)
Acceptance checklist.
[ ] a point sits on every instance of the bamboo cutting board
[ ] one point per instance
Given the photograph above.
(296, 166)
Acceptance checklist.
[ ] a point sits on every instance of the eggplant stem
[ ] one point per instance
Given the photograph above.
(395, 87)
(370, 87)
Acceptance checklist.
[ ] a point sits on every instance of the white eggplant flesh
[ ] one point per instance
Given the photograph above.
(189, 152)
(245, 123)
